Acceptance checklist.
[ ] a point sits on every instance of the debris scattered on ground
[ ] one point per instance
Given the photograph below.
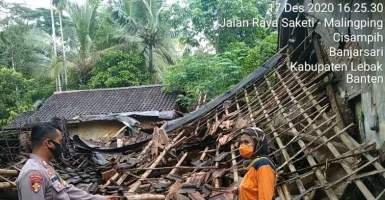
(196, 157)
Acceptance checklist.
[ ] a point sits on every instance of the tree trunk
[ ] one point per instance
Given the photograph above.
(53, 29)
(13, 59)
(150, 61)
(54, 44)
(64, 53)
(59, 81)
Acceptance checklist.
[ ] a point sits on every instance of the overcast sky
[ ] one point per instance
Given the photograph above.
(45, 3)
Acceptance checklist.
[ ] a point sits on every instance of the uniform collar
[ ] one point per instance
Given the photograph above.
(36, 157)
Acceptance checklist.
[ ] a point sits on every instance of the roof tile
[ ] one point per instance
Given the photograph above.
(69, 104)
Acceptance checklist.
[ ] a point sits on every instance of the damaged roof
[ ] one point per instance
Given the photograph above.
(71, 104)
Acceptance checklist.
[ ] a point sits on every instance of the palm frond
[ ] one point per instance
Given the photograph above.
(126, 38)
(125, 20)
(39, 40)
(83, 19)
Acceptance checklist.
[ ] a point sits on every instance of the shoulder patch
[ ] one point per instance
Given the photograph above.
(36, 181)
(262, 162)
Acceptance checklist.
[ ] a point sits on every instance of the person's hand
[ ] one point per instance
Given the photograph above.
(235, 190)
(112, 198)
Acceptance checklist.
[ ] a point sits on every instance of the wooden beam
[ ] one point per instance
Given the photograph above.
(156, 162)
(9, 181)
(120, 131)
(365, 191)
(285, 154)
(321, 178)
(179, 163)
(5, 185)
(8, 172)
(146, 197)
(234, 162)
(113, 178)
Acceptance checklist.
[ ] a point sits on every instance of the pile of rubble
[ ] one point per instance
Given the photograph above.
(196, 157)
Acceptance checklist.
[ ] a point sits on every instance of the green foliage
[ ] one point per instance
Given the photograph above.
(14, 89)
(14, 52)
(260, 53)
(118, 69)
(215, 74)
(211, 74)
(141, 24)
(205, 17)
(37, 18)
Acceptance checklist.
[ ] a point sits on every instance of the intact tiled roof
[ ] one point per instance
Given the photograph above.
(21, 120)
(69, 104)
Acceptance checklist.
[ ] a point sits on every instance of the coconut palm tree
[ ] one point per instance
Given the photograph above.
(42, 44)
(61, 4)
(85, 30)
(58, 80)
(140, 24)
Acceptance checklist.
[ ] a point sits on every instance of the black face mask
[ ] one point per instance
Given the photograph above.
(56, 152)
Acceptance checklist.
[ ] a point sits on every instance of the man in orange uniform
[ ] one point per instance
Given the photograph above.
(259, 181)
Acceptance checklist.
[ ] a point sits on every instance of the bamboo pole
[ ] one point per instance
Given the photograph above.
(331, 147)
(5, 185)
(179, 163)
(299, 137)
(321, 145)
(156, 162)
(140, 157)
(9, 181)
(113, 178)
(146, 197)
(120, 130)
(8, 172)
(380, 195)
(280, 193)
(329, 161)
(330, 193)
(204, 153)
(234, 162)
(352, 173)
(285, 154)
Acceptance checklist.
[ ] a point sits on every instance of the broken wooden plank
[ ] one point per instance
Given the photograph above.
(155, 142)
(164, 140)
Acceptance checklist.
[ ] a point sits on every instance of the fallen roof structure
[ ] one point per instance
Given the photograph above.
(311, 146)
(198, 159)
(195, 157)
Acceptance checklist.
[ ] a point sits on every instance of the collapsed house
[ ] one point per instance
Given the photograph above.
(311, 140)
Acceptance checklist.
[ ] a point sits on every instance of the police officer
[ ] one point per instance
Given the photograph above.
(38, 180)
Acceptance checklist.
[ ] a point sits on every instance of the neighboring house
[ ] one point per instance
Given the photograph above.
(97, 112)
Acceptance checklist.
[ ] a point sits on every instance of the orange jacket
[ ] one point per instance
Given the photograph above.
(259, 181)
